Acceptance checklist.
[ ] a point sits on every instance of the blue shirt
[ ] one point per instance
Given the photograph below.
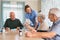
(32, 17)
(56, 28)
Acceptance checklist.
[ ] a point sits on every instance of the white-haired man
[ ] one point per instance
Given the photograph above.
(54, 32)
(12, 22)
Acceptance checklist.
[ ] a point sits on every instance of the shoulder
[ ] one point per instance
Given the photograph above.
(7, 19)
(34, 12)
(58, 22)
(17, 19)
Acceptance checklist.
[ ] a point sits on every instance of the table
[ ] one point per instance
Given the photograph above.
(14, 35)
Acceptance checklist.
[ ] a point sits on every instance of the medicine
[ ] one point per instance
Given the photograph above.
(20, 33)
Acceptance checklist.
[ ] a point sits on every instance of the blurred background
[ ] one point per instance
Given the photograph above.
(41, 6)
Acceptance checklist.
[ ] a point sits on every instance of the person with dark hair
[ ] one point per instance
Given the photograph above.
(31, 17)
(27, 6)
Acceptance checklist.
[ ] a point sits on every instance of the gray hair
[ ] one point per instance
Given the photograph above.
(55, 11)
(41, 16)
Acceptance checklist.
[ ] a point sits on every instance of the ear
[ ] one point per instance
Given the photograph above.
(54, 16)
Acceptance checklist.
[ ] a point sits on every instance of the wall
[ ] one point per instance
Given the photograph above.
(39, 5)
(35, 4)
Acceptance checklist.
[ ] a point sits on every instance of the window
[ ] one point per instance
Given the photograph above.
(18, 8)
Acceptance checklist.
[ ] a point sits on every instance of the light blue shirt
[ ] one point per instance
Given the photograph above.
(32, 17)
(56, 28)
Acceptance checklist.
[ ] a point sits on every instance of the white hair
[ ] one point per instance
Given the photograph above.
(55, 11)
(41, 16)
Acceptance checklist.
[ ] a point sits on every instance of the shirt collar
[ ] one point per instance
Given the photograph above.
(57, 21)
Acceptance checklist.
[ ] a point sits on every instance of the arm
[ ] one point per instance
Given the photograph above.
(20, 25)
(45, 34)
(26, 24)
(41, 34)
(6, 25)
(36, 23)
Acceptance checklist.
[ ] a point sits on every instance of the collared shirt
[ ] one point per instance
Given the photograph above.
(13, 23)
(43, 26)
(56, 28)
(32, 17)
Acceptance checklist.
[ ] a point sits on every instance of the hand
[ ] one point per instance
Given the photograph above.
(28, 34)
(33, 30)
(7, 29)
(18, 28)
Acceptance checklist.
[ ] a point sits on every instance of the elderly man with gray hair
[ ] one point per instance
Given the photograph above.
(54, 32)
(12, 22)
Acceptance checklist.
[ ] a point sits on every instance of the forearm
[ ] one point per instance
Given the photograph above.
(36, 25)
(36, 35)
(29, 27)
(44, 34)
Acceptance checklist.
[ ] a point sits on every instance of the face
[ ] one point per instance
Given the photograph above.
(51, 17)
(28, 10)
(40, 19)
(12, 15)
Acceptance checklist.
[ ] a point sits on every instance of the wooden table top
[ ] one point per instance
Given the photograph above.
(14, 35)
